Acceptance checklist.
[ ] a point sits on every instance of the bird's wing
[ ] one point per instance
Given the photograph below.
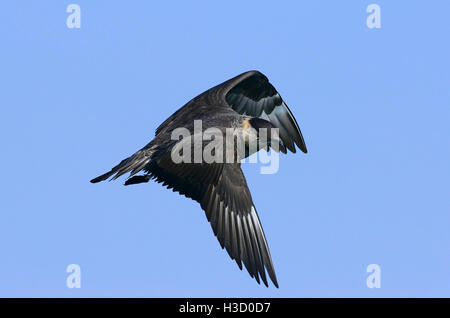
(222, 191)
(230, 210)
(251, 94)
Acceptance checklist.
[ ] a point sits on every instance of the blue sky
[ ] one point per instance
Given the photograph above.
(373, 106)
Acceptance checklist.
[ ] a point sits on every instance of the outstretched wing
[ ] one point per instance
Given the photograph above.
(230, 210)
(251, 94)
(222, 191)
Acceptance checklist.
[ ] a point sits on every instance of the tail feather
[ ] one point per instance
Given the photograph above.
(135, 163)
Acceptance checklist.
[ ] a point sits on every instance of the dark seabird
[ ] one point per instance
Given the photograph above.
(245, 101)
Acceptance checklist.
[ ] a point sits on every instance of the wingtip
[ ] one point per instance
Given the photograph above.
(273, 278)
(274, 282)
(302, 146)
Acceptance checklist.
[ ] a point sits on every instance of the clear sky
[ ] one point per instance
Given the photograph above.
(373, 106)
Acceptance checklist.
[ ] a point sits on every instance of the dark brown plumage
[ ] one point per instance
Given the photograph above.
(220, 188)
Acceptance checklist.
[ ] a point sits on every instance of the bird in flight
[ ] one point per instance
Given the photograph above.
(243, 102)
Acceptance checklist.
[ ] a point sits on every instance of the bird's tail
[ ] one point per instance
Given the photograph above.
(133, 164)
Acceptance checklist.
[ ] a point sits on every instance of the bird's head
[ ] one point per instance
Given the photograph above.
(261, 131)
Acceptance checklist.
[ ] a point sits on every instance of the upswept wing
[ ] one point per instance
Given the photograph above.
(252, 94)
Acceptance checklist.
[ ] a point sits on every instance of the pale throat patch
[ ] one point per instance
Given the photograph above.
(246, 124)
(249, 135)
